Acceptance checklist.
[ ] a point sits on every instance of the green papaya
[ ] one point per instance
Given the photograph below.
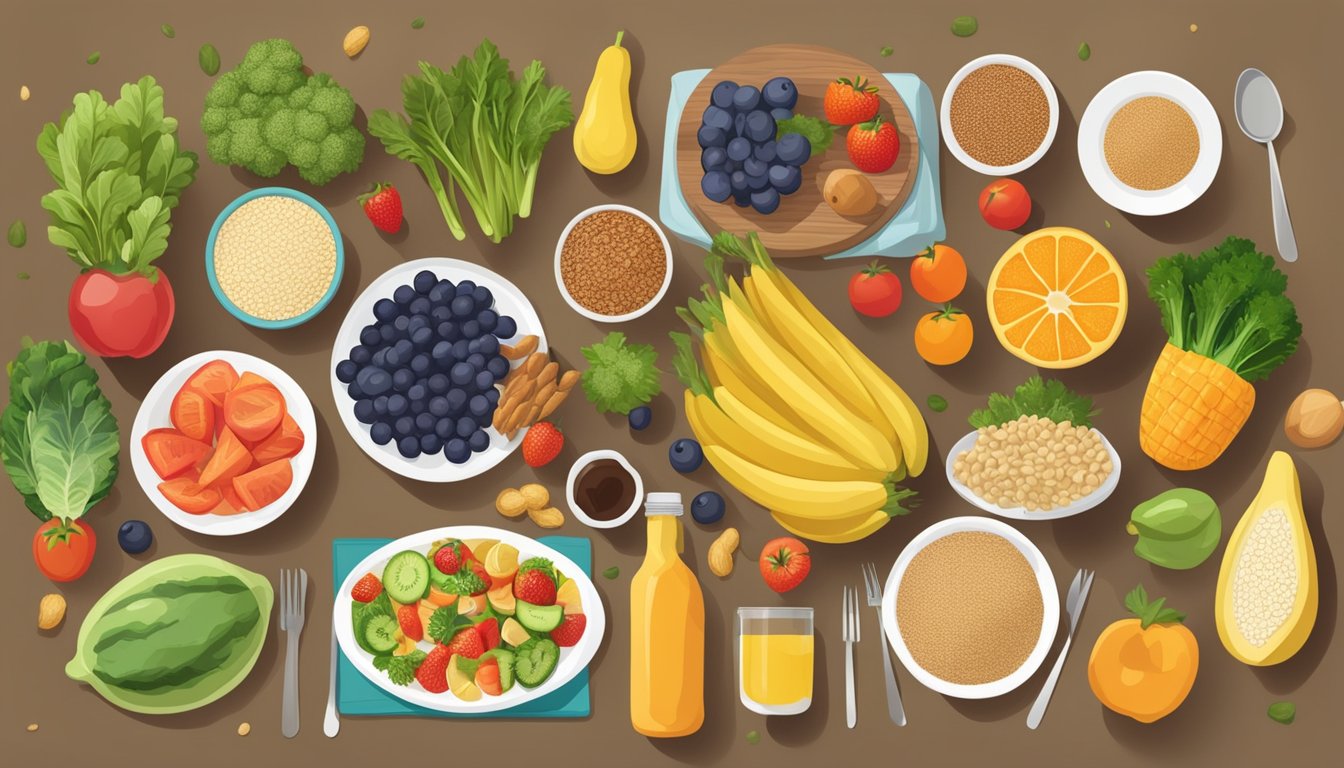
(174, 635)
(1177, 529)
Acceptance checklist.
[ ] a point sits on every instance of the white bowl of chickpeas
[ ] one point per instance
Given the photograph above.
(1034, 469)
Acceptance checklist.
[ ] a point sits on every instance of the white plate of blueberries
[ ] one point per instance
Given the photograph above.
(414, 367)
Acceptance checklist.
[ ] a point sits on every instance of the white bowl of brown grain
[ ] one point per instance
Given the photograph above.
(613, 263)
(999, 114)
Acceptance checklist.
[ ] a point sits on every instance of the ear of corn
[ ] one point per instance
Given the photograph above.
(1192, 409)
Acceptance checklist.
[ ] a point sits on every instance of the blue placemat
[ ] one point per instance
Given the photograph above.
(918, 224)
(355, 695)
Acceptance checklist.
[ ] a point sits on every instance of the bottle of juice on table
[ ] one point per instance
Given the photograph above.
(667, 630)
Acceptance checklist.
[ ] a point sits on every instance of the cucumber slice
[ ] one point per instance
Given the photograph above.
(380, 633)
(535, 661)
(406, 577)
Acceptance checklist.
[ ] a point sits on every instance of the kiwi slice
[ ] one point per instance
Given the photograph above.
(380, 633)
(406, 577)
(535, 661)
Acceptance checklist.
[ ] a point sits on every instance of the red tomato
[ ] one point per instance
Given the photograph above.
(285, 441)
(1005, 204)
(190, 497)
(213, 380)
(121, 315)
(253, 410)
(875, 291)
(171, 453)
(63, 551)
(264, 484)
(193, 415)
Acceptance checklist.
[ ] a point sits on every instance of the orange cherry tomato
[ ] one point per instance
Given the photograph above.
(944, 337)
(938, 274)
(63, 550)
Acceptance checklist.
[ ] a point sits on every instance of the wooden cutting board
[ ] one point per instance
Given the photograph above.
(803, 225)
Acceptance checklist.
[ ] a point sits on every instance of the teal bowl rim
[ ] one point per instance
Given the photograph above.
(232, 308)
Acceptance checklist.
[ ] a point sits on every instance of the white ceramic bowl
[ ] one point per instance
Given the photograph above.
(435, 469)
(153, 414)
(945, 114)
(588, 313)
(577, 467)
(1020, 513)
(1092, 135)
(1045, 579)
(572, 660)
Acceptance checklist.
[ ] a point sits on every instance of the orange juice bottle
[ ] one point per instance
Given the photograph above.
(667, 630)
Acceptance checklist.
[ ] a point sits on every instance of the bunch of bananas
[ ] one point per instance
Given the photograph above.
(788, 410)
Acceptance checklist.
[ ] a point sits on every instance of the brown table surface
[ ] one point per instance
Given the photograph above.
(44, 45)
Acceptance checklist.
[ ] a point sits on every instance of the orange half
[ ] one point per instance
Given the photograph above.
(1057, 298)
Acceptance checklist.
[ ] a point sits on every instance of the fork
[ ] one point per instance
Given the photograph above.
(1078, 590)
(849, 632)
(874, 590)
(293, 593)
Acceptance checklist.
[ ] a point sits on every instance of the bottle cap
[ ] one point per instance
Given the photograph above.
(663, 504)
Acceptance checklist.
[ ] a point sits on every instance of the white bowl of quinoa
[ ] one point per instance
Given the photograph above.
(613, 263)
(999, 114)
(274, 257)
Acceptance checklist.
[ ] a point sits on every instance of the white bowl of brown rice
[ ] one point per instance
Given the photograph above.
(613, 263)
(274, 257)
(970, 608)
(999, 114)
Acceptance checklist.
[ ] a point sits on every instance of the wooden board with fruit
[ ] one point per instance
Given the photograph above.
(801, 222)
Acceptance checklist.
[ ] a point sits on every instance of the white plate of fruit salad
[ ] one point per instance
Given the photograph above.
(468, 619)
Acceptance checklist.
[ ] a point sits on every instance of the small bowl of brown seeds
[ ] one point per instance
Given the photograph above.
(613, 263)
(274, 257)
(999, 114)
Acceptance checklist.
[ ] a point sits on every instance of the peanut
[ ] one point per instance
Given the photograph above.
(536, 495)
(244, 729)
(355, 40)
(550, 517)
(721, 552)
(50, 611)
(24, 93)
(511, 502)
(32, 727)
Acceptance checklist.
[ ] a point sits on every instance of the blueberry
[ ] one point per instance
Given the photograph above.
(742, 198)
(364, 411)
(478, 406)
(757, 183)
(484, 380)
(346, 370)
(739, 125)
(361, 355)
(381, 433)
(424, 280)
(717, 117)
(476, 360)
(765, 151)
(442, 353)
(717, 186)
(421, 338)
(380, 406)
(386, 310)
(419, 406)
(753, 167)
(780, 93)
(431, 444)
(471, 329)
(710, 137)
(486, 319)
(369, 336)
(409, 446)
(492, 395)
(737, 182)
(765, 201)
(440, 313)
(403, 295)
(445, 427)
(685, 455)
(785, 178)
(420, 306)
(456, 450)
(457, 401)
(760, 126)
(373, 381)
(489, 345)
(464, 288)
(483, 297)
(438, 384)
(442, 292)
(401, 323)
(461, 348)
(379, 358)
(781, 115)
(405, 349)
(397, 405)
(438, 405)
(134, 536)
(403, 426)
(465, 427)
(478, 441)
(420, 364)
(793, 149)
(722, 95)
(498, 367)
(463, 306)
(388, 334)
(447, 330)
(707, 507)
(746, 98)
(739, 149)
(424, 422)
(461, 373)
(506, 328)
(712, 159)
(640, 417)
(732, 166)
(417, 392)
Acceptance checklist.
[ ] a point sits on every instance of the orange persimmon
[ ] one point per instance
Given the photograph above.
(1144, 667)
(213, 380)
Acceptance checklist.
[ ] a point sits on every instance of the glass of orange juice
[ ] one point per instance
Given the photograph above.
(774, 659)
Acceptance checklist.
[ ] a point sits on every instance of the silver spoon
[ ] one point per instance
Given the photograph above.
(1260, 116)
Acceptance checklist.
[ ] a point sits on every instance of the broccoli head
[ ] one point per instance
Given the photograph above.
(267, 113)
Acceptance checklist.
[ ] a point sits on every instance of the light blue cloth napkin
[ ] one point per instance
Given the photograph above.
(355, 695)
(915, 227)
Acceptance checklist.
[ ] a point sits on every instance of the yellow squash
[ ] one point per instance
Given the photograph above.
(604, 135)
(1267, 590)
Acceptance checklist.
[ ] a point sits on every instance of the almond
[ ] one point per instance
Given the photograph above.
(510, 502)
(537, 496)
(721, 552)
(550, 517)
(355, 40)
(50, 611)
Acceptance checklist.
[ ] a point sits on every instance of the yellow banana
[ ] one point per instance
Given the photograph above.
(802, 393)
(720, 355)
(895, 404)
(832, 531)
(822, 499)
(754, 300)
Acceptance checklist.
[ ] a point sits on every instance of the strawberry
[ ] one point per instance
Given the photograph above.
(570, 630)
(873, 145)
(366, 589)
(487, 678)
(408, 618)
(488, 629)
(534, 586)
(383, 207)
(432, 674)
(542, 444)
(848, 102)
(484, 576)
(785, 562)
(466, 643)
(451, 555)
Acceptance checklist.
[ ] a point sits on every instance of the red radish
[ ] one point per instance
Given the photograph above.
(121, 315)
